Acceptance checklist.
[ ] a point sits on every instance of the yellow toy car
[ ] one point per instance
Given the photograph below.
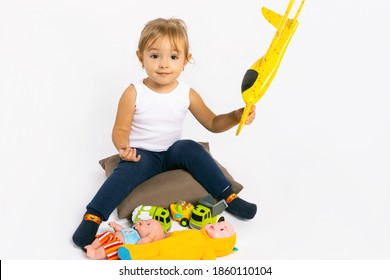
(181, 212)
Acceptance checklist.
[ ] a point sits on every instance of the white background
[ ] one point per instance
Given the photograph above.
(316, 160)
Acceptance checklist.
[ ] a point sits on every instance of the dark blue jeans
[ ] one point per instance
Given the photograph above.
(183, 154)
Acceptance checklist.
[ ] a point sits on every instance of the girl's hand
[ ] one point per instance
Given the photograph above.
(129, 154)
(251, 116)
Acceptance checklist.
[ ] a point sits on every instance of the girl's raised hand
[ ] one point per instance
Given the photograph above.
(129, 154)
(251, 116)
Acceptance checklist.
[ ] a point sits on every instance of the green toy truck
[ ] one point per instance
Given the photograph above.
(158, 213)
(206, 212)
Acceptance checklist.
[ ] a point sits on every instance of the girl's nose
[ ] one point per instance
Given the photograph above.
(163, 63)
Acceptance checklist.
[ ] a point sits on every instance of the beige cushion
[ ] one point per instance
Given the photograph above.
(163, 189)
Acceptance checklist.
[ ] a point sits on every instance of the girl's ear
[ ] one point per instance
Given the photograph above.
(139, 55)
(189, 57)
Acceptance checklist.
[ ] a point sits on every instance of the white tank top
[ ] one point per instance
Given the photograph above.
(158, 117)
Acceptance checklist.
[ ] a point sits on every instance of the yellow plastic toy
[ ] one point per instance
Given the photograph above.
(257, 79)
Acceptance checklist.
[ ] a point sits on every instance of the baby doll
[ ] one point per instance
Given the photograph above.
(106, 244)
(212, 241)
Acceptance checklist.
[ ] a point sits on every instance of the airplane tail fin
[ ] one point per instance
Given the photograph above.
(277, 20)
(271, 16)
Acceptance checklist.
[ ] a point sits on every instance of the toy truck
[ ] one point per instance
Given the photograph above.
(160, 214)
(206, 212)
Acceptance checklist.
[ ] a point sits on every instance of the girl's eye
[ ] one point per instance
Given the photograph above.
(154, 56)
(174, 57)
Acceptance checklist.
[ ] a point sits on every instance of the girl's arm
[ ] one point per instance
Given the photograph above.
(122, 126)
(212, 122)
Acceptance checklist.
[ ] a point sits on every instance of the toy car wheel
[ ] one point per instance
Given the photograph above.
(184, 222)
(221, 219)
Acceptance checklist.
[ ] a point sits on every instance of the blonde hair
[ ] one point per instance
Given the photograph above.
(156, 29)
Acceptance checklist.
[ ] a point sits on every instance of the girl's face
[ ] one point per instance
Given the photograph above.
(163, 65)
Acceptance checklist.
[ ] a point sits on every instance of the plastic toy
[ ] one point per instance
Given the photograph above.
(202, 214)
(160, 214)
(216, 206)
(206, 212)
(181, 212)
(210, 242)
(257, 79)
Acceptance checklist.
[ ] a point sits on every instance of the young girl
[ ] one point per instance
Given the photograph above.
(148, 128)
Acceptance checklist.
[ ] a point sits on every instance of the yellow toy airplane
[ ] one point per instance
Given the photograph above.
(257, 79)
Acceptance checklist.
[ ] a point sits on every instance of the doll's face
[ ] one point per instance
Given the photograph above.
(144, 228)
(219, 230)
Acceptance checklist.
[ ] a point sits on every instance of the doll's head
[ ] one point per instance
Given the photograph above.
(150, 228)
(222, 237)
(219, 230)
